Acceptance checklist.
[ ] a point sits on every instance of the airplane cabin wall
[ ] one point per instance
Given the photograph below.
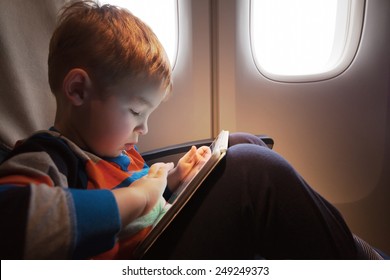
(334, 132)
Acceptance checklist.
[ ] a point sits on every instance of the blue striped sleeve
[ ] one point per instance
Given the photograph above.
(97, 221)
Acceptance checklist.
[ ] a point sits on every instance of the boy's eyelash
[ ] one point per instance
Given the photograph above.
(135, 113)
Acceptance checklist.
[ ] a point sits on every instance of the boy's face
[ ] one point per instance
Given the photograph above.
(112, 124)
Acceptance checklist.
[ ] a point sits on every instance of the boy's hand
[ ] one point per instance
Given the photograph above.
(142, 195)
(187, 166)
(154, 183)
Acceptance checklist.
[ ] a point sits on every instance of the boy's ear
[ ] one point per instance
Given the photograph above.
(76, 86)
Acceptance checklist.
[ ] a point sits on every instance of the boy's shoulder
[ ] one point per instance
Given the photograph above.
(47, 141)
(40, 140)
(43, 157)
(55, 144)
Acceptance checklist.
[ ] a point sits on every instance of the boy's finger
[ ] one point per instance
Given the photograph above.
(159, 169)
(169, 166)
(204, 150)
(163, 170)
(155, 168)
(190, 153)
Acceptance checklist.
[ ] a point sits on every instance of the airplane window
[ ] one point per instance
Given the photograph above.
(161, 16)
(305, 40)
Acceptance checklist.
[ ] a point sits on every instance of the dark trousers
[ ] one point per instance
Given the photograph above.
(255, 205)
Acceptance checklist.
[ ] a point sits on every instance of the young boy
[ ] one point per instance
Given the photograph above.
(108, 72)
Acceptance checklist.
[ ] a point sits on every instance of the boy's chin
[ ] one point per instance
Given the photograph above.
(109, 154)
(115, 154)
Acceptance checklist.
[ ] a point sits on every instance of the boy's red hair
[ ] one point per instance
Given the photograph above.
(109, 43)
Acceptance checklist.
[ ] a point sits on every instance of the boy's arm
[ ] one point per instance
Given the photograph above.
(43, 221)
(40, 221)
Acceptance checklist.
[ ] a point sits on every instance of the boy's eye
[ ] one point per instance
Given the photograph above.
(135, 113)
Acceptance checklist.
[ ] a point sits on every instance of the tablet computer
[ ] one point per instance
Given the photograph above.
(185, 191)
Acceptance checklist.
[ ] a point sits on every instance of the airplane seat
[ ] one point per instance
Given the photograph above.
(26, 102)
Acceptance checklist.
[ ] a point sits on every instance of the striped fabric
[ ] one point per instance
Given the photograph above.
(60, 200)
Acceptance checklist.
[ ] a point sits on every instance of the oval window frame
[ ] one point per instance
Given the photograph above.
(351, 42)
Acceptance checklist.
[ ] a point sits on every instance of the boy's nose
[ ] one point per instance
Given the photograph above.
(143, 128)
